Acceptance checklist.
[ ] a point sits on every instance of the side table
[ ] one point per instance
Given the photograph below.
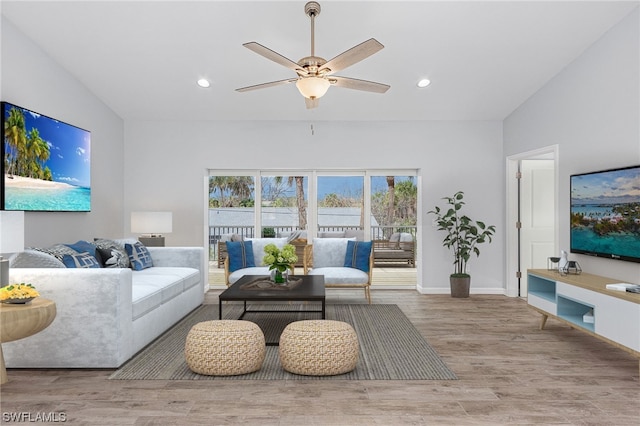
(20, 321)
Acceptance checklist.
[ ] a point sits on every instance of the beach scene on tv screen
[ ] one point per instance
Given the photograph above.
(605, 213)
(46, 163)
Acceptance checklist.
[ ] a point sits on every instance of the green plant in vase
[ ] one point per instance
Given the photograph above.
(280, 260)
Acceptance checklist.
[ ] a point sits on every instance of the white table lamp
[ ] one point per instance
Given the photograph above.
(151, 225)
(11, 240)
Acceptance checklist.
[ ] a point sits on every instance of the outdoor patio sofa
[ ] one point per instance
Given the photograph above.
(398, 250)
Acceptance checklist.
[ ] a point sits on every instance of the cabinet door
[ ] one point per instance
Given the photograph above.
(616, 319)
(619, 320)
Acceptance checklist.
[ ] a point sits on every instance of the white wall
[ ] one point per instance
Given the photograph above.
(592, 111)
(33, 80)
(166, 162)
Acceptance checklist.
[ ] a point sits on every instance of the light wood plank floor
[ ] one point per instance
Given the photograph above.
(509, 373)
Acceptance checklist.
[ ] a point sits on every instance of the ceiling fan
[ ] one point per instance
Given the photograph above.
(315, 74)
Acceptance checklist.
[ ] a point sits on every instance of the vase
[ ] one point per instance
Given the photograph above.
(460, 286)
(279, 277)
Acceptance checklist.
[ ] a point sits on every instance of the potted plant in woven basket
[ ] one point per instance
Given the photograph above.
(463, 235)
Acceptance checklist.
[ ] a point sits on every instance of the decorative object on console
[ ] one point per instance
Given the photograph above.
(152, 225)
(571, 267)
(552, 263)
(463, 237)
(11, 240)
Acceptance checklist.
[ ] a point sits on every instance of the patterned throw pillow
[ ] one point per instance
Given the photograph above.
(58, 250)
(80, 260)
(358, 253)
(113, 254)
(240, 255)
(139, 256)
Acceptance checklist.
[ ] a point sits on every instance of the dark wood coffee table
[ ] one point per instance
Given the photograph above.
(311, 289)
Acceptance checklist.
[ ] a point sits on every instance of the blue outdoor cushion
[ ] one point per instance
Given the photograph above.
(358, 253)
(139, 256)
(240, 255)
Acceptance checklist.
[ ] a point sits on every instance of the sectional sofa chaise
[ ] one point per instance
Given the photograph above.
(105, 315)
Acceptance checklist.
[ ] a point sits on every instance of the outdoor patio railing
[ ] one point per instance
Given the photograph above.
(217, 232)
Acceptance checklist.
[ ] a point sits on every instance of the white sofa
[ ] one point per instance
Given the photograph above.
(106, 315)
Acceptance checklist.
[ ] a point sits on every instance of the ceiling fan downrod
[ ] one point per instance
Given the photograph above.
(312, 9)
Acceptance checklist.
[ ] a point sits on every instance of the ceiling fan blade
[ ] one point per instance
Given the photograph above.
(311, 103)
(265, 85)
(273, 56)
(352, 56)
(354, 83)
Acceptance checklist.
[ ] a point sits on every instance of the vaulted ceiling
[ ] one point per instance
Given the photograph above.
(484, 59)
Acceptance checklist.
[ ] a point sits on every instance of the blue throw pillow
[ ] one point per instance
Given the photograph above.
(240, 255)
(80, 260)
(139, 256)
(358, 253)
(83, 247)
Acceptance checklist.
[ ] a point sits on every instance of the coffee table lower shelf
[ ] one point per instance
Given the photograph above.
(311, 289)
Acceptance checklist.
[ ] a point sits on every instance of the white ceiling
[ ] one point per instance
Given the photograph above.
(484, 58)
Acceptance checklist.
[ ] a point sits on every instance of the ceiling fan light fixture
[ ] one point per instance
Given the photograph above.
(313, 87)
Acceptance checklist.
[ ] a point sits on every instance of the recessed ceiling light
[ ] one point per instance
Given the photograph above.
(424, 82)
(203, 82)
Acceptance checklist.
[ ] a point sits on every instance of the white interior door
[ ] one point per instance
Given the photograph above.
(537, 215)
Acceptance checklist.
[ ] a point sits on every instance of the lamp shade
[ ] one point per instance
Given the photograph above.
(11, 231)
(151, 222)
(313, 87)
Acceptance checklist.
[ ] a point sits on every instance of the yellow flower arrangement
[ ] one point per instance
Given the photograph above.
(18, 291)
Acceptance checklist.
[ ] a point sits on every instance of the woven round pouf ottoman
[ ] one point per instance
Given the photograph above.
(225, 348)
(319, 348)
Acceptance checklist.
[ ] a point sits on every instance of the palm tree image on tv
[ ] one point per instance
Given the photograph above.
(46, 163)
(605, 213)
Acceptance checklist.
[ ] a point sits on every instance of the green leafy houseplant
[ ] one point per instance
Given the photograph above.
(463, 233)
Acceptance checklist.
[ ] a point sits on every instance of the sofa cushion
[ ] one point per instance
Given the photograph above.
(358, 254)
(138, 256)
(80, 260)
(240, 255)
(329, 252)
(259, 245)
(256, 270)
(189, 276)
(35, 259)
(341, 275)
(113, 253)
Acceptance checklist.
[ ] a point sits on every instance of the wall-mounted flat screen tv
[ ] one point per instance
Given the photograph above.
(605, 213)
(46, 164)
